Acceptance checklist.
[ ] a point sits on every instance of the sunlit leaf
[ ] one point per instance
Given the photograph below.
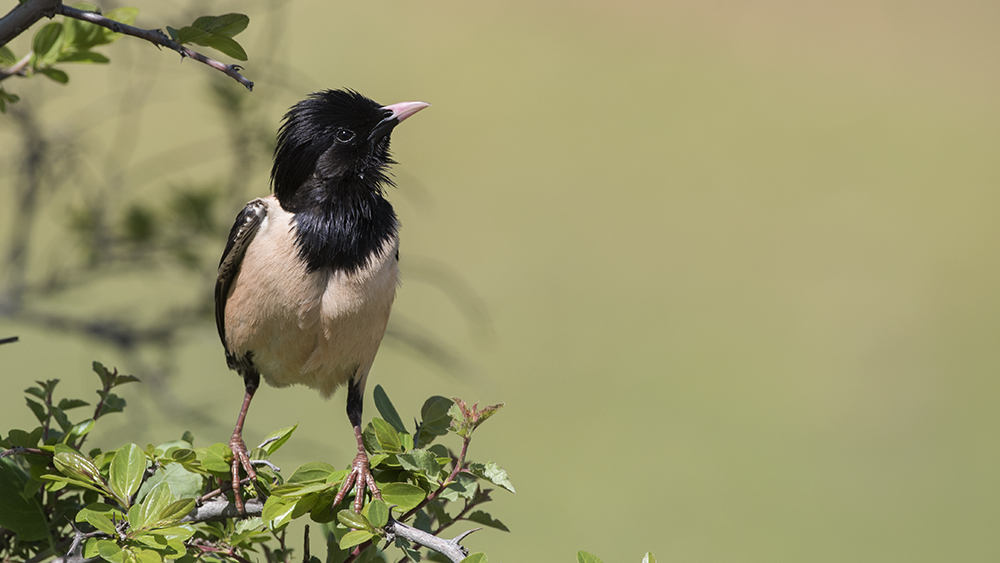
(126, 472)
(355, 537)
(403, 494)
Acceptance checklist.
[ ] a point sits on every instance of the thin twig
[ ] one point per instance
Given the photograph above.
(9, 340)
(156, 37)
(16, 69)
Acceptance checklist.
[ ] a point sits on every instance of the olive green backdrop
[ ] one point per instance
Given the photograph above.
(739, 261)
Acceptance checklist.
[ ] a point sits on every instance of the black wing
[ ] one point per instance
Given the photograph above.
(244, 229)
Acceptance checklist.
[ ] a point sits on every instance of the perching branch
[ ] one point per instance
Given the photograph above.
(156, 37)
(224, 510)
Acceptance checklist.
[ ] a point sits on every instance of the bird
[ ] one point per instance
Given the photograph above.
(309, 273)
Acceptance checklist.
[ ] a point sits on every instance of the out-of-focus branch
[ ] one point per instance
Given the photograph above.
(156, 37)
(16, 69)
(23, 16)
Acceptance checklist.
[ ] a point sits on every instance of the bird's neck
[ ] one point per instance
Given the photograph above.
(344, 225)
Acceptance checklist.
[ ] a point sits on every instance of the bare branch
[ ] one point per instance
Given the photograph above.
(23, 16)
(9, 339)
(16, 69)
(156, 37)
(223, 510)
(451, 549)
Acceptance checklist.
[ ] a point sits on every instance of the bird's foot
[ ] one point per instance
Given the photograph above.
(241, 458)
(361, 479)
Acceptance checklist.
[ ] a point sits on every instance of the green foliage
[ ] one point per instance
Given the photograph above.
(216, 32)
(134, 504)
(73, 41)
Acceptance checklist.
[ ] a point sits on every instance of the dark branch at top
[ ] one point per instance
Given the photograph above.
(156, 37)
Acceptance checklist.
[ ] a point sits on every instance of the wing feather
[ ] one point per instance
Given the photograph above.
(240, 236)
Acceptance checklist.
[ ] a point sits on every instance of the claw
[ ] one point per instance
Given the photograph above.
(241, 458)
(360, 478)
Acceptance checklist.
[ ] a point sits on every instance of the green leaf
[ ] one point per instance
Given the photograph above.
(85, 57)
(355, 537)
(279, 438)
(152, 507)
(228, 25)
(126, 472)
(434, 419)
(7, 57)
(76, 482)
(39, 410)
(584, 557)
(23, 516)
(220, 43)
(387, 410)
(112, 403)
(464, 486)
(71, 463)
(110, 551)
(387, 436)
(480, 517)
(353, 520)
(59, 415)
(648, 558)
(378, 513)
(104, 374)
(312, 472)
(174, 512)
(492, 473)
(277, 512)
(46, 43)
(478, 557)
(67, 404)
(405, 495)
(100, 516)
(183, 482)
(418, 460)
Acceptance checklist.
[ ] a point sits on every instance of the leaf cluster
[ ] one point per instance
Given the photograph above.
(139, 504)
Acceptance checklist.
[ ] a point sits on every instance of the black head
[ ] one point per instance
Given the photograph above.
(330, 166)
(334, 140)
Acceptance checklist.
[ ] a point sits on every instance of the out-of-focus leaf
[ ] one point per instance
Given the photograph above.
(7, 57)
(584, 557)
(227, 25)
(648, 558)
(23, 516)
(355, 537)
(478, 557)
(39, 410)
(46, 43)
(110, 551)
(67, 404)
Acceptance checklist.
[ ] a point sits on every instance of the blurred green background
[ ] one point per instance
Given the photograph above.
(734, 264)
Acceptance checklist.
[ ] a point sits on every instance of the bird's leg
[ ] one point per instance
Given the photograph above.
(241, 456)
(360, 475)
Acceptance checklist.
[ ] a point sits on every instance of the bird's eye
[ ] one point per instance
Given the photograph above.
(345, 135)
